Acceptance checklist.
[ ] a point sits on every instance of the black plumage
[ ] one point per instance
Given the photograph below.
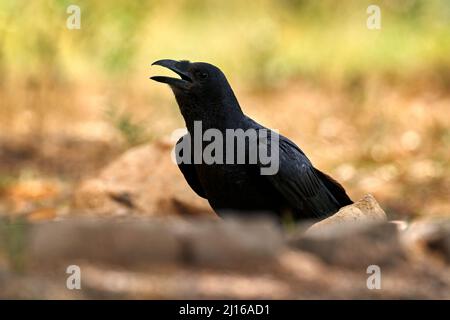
(204, 94)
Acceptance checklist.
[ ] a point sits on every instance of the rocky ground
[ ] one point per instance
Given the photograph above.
(142, 257)
(136, 231)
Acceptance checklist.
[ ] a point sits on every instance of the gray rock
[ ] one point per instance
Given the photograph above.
(356, 236)
(354, 247)
(131, 243)
(429, 237)
(137, 242)
(233, 243)
(149, 258)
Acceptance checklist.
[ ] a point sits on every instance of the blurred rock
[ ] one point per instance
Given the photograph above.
(355, 237)
(429, 237)
(142, 243)
(132, 242)
(365, 211)
(232, 243)
(142, 256)
(149, 258)
(354, 247)
(143, 180)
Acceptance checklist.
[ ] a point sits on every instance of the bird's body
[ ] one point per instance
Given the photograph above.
(239, 187)
(204, 95)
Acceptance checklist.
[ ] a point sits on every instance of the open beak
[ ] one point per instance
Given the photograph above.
(179, 67)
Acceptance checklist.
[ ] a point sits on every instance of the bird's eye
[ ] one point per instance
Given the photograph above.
(201, 75)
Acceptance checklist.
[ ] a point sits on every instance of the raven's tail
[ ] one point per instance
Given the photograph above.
(335, 189)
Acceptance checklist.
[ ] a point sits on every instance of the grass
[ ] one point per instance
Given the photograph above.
(13, 236)
(261, 40)
(132, 132)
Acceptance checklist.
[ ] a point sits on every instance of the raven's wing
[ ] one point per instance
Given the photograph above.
(304, 187)
(336, 189)
(188, 169)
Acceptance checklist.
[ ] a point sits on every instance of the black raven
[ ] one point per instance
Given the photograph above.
(204, 94)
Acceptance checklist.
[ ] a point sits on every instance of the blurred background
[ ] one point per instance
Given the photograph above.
(370, 107)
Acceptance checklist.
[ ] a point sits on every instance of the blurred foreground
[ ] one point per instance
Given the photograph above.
(144, 258)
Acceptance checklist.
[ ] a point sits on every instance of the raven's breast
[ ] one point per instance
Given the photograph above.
(238, 187)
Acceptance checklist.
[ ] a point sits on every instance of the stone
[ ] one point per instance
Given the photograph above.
(127, 243)
(429, 237)
(235, 243)
(365, 211)
(143, 257)
(143, 180)
(354, 247)
(357, 236)
(142, 242)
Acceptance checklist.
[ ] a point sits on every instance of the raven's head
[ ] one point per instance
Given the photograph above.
(201, 87)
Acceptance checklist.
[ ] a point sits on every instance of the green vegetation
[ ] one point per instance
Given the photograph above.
(132, 132)
(13, 240)
(264, 40)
